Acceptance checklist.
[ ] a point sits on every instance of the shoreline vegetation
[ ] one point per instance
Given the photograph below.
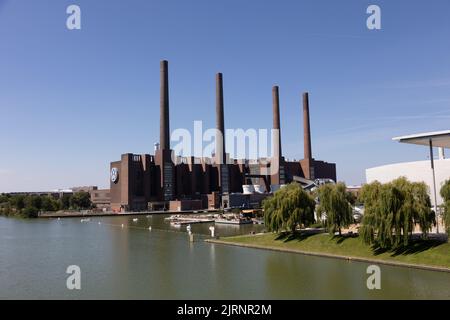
(30, 206)
(424, 254)
(386, 234)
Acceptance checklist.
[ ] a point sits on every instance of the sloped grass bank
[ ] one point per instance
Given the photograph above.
(428, 253)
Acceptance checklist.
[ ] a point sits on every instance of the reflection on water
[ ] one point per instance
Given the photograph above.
(133, 262)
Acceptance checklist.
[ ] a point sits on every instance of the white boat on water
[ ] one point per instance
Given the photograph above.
(85, 220)
(182, 222)
(234, 221)
(173, 217)
(176, 224)
(189, 219)
(258, 221)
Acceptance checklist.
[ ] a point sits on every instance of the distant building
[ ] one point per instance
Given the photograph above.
(59, 193)
(101, 198)
(87, 189)
(355, 190)
(433, 172)
(142, 181)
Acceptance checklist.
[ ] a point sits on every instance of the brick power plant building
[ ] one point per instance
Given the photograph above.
(141, 182)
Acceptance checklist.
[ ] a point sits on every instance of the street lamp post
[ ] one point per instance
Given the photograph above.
(434, 185)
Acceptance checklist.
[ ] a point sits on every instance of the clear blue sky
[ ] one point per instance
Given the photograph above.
(72, 101)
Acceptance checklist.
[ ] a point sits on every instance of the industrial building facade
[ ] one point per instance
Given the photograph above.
(142, 182)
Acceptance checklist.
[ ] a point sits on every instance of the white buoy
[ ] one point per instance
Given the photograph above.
(59, 219)
(122, 225)
(135, 219)
(191, 236)
(212, 229)
(99, 222)
(150, 228)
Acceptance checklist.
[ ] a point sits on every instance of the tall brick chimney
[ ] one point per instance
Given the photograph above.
(306, 128)
(164, 129)
(220, 122)
(276, 120)
(163, 155)
(276, 165)
(220, 137)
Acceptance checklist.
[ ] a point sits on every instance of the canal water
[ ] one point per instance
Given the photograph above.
(131, 262)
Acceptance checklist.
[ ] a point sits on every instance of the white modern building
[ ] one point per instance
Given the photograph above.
(434, 172)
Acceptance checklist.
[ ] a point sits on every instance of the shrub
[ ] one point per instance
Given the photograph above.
(392, 210)
(334, 202)
(289, 208)
(445, 194)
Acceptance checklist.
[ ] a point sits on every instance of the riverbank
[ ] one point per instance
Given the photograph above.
(86, 214)
(430, 255)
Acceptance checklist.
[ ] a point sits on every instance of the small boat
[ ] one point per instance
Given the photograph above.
(257, 221)
(176, 224)
(234, 221)
(173, 217)
(85, 220)
(135, 220)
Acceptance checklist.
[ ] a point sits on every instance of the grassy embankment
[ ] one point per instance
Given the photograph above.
(421, 252)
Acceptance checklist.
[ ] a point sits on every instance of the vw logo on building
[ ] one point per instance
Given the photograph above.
(114, 175)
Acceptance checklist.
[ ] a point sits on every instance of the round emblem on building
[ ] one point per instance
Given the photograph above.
(114, 175)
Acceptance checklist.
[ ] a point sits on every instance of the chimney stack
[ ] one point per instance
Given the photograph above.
(276, 121)
(220, 122)
(306, 128)
(220, 138)
(164, 130)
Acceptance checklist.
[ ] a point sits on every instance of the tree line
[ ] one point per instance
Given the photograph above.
(445, 194)
(29, 205)
(391, 210)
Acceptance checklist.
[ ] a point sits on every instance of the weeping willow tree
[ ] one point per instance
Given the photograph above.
(289, 208)
(334, 203)
(445, 194)
(392, 210)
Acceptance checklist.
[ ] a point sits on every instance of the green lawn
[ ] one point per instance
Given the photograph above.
(430, 252)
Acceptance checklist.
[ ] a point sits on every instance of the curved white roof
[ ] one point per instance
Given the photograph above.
(438, 138)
